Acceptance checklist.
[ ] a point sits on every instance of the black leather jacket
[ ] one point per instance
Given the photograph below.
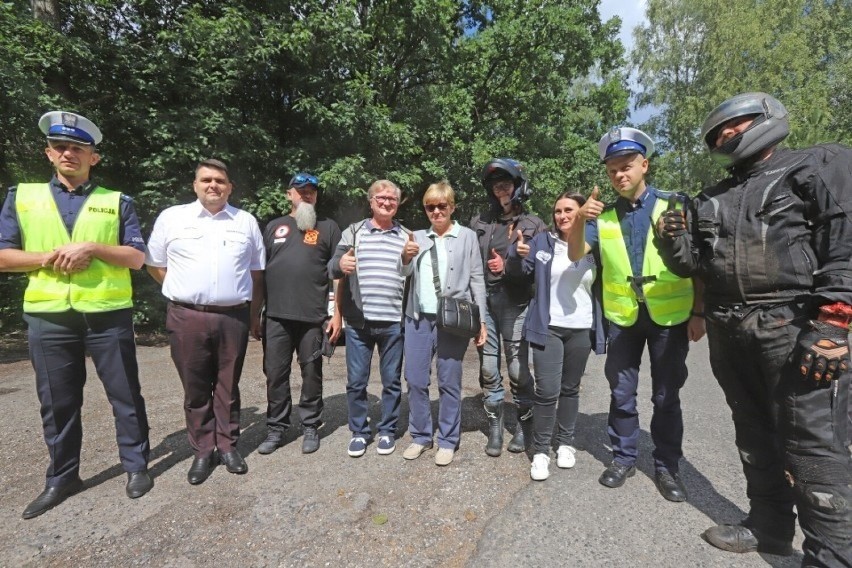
(782, 230)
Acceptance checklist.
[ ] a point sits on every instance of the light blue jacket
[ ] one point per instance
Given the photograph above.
(465, 278)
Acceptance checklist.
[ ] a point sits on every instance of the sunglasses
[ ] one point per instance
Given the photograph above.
(439, 206)
(304, 179)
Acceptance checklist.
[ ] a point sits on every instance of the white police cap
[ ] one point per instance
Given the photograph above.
(69, 126)
(621, 141)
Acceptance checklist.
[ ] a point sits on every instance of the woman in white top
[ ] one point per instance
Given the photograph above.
(559, 329)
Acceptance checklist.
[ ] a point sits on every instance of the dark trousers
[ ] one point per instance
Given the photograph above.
(788, 430)
(58, 343)
(667, 348)
(208, 350)
(559, 365)
(281, 338)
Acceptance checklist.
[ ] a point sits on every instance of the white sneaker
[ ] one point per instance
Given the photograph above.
(565, 457)
(540, 468)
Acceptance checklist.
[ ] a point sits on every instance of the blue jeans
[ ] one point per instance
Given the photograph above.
(423, 342)
(667, 350)
(359, 356)
(504, 320)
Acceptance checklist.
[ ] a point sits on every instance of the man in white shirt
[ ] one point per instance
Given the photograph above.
(209, 257)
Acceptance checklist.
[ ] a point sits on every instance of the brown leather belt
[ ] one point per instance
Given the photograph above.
(212, 309)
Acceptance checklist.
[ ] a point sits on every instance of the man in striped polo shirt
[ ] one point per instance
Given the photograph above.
(370, 262)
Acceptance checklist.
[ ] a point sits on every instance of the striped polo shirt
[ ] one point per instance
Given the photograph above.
(379, 256)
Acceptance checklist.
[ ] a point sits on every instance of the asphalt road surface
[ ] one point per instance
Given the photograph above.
(327, 509)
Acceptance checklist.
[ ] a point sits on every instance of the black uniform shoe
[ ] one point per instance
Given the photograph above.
(200, 469)
(522, 436)
(234, 462)
(311, 440)
(494, 412)
(138, 484)
(51, 497)
(616, 474)
(739, 538)
(274, 440)
(670, 486)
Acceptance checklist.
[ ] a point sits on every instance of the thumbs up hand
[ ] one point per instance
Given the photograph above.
(593, 206)
(495, 263)
(522, 247)
(410, 249)
(672, 223)
(347, 262)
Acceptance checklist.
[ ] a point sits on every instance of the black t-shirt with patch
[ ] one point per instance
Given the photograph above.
(296, 276)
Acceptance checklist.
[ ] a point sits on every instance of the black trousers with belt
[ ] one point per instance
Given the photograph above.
(790, 432)
(58, 343)
(208, 349)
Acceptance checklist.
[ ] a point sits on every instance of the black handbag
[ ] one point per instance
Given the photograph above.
(455, 316)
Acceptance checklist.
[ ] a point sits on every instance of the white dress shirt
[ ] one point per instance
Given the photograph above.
(208, 258)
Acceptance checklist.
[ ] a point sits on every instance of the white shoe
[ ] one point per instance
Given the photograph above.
(540, 468)
(444, 456)
(565, 457)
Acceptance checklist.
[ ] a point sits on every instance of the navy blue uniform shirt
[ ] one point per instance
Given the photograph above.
(635, 221)
(69, 203)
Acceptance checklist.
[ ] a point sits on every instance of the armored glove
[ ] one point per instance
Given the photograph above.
(825, 352)
(672, 223)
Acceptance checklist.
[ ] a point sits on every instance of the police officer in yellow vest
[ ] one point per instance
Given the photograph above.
(76, 242)
(645, 304)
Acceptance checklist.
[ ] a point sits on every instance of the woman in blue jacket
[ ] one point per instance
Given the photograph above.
(560, 328)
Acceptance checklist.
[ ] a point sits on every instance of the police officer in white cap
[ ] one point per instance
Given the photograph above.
(645, 304)
(77, 241)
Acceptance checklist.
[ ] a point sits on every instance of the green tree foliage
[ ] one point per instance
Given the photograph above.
(693, 54)
(353, 90)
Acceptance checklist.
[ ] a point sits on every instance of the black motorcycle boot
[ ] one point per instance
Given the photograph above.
(523, 431)
(494, 412)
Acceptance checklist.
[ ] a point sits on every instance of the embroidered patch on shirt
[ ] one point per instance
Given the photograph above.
(543, 256)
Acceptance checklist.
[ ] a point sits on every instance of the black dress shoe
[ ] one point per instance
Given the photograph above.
(200, 469)
(616, 474)
(51, 497)
(739, 538)
(234, 462)
(138, 483)
(670, 486)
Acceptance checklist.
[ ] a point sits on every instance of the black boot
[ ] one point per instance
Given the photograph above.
(494, 412)
(519, 441)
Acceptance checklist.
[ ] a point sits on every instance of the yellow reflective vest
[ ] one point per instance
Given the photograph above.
(102, 286)
(668, 297)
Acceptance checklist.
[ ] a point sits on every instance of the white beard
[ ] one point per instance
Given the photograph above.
(306, 216)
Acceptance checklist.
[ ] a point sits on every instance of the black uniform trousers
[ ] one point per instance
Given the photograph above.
(58, 343)
(281, 338)
(789, 431)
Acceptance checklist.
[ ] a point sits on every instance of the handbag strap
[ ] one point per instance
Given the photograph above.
(433, 254)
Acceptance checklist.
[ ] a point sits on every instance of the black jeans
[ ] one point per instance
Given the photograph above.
(559, 364)
(788, 430)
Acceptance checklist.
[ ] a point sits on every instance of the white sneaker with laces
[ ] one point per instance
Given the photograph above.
(540, 468)
(565, 457)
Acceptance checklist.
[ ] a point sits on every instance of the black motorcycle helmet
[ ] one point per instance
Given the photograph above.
(499, 169)
(771, 125)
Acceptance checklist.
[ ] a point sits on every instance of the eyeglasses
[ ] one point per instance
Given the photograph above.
(384, 199)
(439, 206)
(304, 179)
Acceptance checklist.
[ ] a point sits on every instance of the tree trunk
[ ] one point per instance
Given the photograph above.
(47, 11)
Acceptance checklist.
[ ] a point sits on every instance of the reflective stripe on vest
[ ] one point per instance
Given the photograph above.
(102, 286)
(668, 298)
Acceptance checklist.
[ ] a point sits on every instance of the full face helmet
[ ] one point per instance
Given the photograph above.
(507, 169)
(770, 126)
